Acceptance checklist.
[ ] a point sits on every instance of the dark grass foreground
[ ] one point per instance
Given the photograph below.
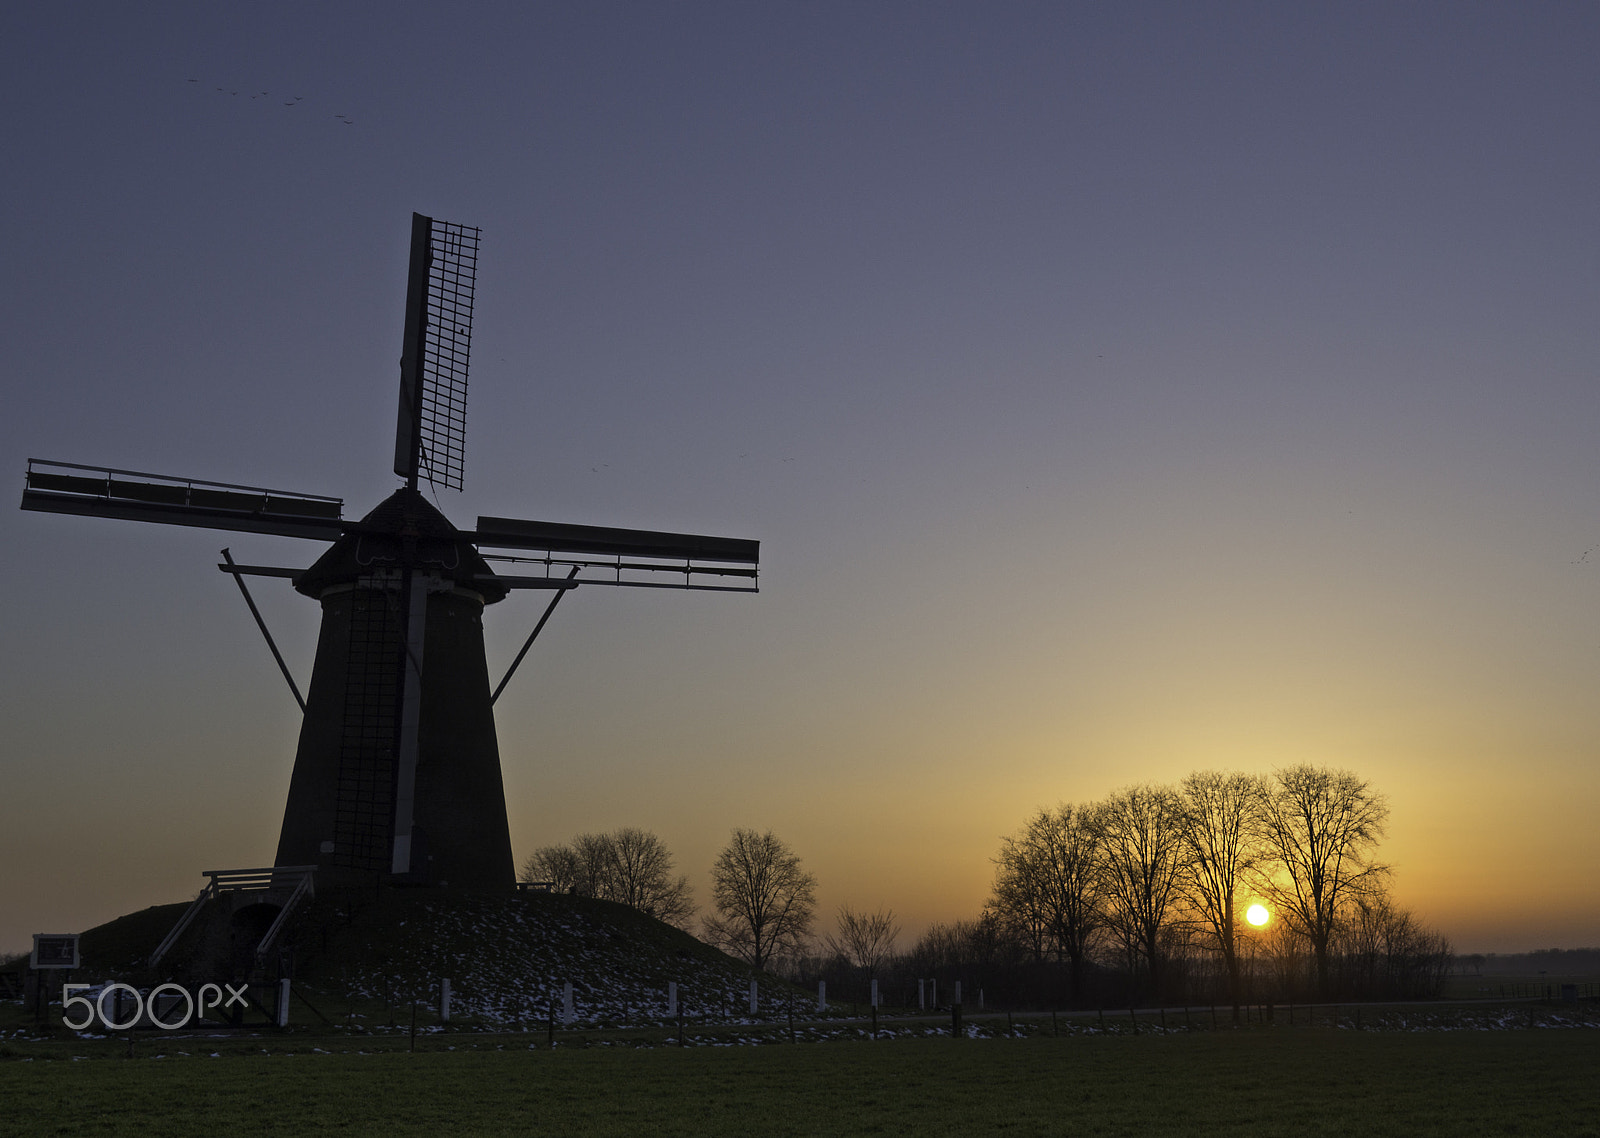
(1539, 1082)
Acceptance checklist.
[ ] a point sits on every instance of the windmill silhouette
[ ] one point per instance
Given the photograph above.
(397, 773)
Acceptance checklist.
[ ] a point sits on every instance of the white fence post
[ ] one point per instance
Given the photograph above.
(283, 1003)
(755, 1004)
(822, 995)
(921, 1004)
(672, 999)
(957, 1000)
(566, 1002)
(933, 989)
(444, 1000)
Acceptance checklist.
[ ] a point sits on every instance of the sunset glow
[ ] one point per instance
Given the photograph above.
(1117, 391)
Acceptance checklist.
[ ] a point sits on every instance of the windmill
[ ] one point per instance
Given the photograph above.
(397, 772)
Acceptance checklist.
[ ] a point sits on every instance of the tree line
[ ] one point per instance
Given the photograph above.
(1141, 895)
(1157, 877)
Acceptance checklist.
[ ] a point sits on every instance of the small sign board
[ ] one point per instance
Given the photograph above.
(54, 950)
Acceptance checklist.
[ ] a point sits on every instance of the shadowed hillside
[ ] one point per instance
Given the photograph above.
(503, 953)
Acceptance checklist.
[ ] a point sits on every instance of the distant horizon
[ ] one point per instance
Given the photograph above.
(903, 943)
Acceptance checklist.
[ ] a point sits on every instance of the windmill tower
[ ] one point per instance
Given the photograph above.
(397, 773)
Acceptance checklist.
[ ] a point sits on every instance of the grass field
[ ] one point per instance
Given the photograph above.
(1265, 1081)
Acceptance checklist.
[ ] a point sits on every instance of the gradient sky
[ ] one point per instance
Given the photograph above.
(1117, 390)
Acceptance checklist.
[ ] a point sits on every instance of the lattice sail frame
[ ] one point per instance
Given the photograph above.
(430, 442)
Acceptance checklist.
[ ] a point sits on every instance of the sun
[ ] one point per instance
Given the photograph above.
(1257, 915)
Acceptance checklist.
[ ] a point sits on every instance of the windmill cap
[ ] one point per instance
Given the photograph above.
(404, 528)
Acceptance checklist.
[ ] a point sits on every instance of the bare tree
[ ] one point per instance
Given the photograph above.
(1219, 835)
(557, 865)
(578, 867)
(1384, 951)
(594, 859)
(1048, 886)
(1321, 827)
(865, 939)
(1278, 953)
(581, 867)
(765, 902)
(1021, 897)
(942, 947)
(959, 945)
(1140, 834)
(640, 875)
(630, 866)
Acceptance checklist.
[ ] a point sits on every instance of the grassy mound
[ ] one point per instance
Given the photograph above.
(120, 947)
(508, 956)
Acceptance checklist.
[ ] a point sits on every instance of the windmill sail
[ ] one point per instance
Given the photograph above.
(99, 491)
(430, 431)
(606, 555)
(558, 537)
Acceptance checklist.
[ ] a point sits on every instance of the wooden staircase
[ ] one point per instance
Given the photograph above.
(284, 886)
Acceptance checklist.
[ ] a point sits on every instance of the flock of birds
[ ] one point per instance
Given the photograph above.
(293, 102)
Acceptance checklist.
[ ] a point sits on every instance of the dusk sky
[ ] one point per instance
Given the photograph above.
(1116, 390)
